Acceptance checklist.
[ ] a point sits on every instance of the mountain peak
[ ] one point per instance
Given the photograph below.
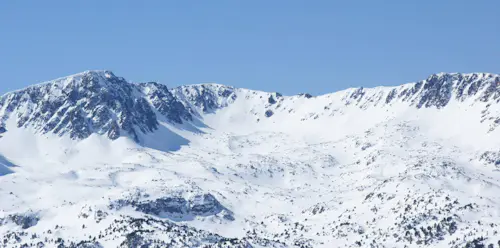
(103, 73)
(89, 102)
(87, 73)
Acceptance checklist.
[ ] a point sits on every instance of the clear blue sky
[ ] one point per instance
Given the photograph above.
(286, 46)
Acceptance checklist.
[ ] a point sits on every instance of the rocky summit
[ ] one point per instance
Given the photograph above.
(93, 160)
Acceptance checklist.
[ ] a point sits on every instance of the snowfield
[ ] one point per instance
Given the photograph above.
(91, 160)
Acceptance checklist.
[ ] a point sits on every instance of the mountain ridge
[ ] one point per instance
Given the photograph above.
(100, 102)
(104, 71)
(97, 161)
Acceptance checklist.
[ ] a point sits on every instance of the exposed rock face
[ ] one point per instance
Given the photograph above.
(92, 102)
(179, 208)
(439, 89)
(207, 98)
(165, 103)
(25, 221)
(170, 205)
(271, 100)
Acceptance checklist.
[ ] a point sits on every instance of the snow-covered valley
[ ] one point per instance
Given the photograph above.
(91, 160)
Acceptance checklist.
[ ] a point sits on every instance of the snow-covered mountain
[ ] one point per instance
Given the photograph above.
(92, 102)
(92, 160)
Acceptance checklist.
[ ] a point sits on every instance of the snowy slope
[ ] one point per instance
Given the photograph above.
(102, 162)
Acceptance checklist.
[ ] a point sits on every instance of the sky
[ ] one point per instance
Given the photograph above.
(287, 46)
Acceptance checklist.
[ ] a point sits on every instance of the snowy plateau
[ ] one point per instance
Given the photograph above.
(92, 160)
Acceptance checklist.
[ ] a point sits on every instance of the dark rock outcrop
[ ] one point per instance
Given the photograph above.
(206, 97)
(178, 208)
(93, 102)
(25, 221)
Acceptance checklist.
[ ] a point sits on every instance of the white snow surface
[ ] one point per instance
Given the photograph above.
(321, 171)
